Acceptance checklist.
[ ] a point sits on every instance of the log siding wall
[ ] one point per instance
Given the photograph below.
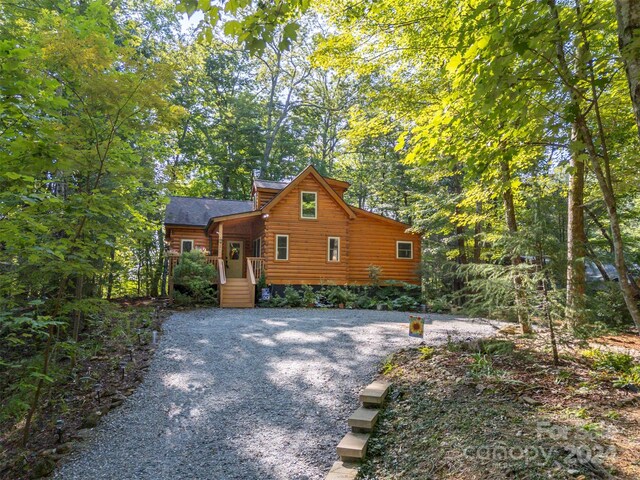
(365, 240)
(307, 263)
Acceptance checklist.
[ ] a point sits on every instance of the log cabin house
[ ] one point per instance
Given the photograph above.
(294, 233)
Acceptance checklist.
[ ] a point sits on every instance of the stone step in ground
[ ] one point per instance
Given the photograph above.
(343, 471)
(375, 394)
(363, 419)
(353, 447)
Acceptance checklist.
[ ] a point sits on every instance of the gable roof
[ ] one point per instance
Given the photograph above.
(310, 170)
(198, 211)
(269, 184)
(380, 217)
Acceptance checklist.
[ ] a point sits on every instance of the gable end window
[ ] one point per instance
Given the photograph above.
(186, 246)
(308, 205)
(282, 247)
(404, 250)
(333, 249)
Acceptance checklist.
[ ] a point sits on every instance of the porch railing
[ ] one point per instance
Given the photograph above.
(174, 259)
(255, 267)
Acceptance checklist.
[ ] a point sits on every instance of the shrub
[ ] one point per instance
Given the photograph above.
(610, 361)
(630, 378)
(291, 297)
(606, 310)
(194, 278)
(405, 303)
(339, 295)
(309, 297)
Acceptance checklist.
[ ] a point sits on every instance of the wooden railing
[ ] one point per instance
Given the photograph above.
(222, 274)
(255, 267)
(174, 259)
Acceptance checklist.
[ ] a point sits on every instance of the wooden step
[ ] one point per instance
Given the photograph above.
(237, 293)
(363, 419)
(343, 471)
(353, 447)
(375, 393)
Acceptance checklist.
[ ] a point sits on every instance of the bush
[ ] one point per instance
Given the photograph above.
(194, 279)
(606, 310)
(309, 297)
(610, 361)
(630, 378)
(339, 295)
(405, 303)
(291, 297)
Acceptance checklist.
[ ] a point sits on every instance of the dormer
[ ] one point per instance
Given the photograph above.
(263, 191)
(338, 185)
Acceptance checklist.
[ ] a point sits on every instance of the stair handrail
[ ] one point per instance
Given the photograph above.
(252, 275)
(222, 274)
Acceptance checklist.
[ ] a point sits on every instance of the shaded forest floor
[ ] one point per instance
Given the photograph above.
(107, 370)
(499, 409)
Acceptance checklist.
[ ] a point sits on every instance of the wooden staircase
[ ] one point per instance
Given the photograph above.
(237, 293)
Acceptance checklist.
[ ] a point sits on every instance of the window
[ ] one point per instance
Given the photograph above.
(309, 205)
(186, 245)
(257, 247)
(282, 247)
(333, 249)
(404, 250)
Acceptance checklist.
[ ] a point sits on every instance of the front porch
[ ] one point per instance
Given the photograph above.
(235, 248)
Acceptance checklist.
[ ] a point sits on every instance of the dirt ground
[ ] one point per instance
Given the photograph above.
(502, 410)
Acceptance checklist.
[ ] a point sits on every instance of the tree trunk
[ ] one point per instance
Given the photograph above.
(157, 272)
(477, 244)
(599, 160)
(628, 15)
(512, 226)
(576, 240)
(112, 257)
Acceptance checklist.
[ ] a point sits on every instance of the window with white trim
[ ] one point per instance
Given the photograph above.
(404, 249)
(308, 204)
(333, 249)
(282, 247)
(186, 246)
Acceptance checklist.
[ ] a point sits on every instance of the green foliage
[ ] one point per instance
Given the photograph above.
(193, 279)
(628, 378)
(606, 311)
(426, 352)
(405, 303)
(481, 366)
(338, 295)
(309, 297)
(292, 297)
(609, 361)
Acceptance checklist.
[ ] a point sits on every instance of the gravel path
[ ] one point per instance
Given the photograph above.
(249, 394)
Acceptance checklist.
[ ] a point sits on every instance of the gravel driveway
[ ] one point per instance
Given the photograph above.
(249, 394)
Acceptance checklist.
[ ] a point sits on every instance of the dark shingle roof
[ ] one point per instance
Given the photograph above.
(270, 184)
(198, 211)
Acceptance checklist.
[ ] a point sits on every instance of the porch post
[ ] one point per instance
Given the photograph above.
(220, 230)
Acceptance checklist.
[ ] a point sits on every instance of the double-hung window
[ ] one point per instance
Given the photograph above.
(404, 250)
(186, 246)
(333, 249)
(282, 247)
(308, 205)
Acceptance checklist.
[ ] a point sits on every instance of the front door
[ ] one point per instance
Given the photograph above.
(234, 257)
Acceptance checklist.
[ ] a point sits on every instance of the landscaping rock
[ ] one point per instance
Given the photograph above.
(91, 420)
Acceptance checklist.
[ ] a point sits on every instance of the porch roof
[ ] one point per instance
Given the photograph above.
(198, 211)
